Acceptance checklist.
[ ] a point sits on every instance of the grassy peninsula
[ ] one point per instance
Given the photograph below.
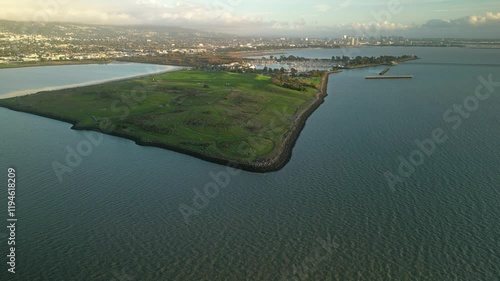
(243, 119)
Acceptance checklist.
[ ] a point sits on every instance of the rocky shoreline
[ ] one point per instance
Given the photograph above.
(270, 165)
(284, 156)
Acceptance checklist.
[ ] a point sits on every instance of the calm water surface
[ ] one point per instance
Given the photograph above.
(116, 216)
(28, 80)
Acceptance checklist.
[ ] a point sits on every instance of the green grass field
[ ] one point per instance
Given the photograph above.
(228, 116)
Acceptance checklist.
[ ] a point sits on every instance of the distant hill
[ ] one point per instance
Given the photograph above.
(81, 31)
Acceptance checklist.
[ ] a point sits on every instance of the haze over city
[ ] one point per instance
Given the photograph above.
(317, 18)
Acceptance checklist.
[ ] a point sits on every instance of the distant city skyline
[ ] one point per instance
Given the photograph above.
(293, 18)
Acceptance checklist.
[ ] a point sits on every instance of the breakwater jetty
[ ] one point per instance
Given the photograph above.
(390, 77)
(384, 71)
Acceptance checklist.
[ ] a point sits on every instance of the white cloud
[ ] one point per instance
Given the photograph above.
(476, 21)
(225, 16)
(386, 25)
(299, 25)
(343, 5)
(98, 17)
(325, 8)
(484, 19)
(322, 8)
(149, 2)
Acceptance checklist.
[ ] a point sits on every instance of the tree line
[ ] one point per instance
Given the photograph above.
(346, 60)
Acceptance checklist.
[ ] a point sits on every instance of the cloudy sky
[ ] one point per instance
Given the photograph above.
(310, 18)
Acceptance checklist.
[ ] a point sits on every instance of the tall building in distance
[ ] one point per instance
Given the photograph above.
(354, 41)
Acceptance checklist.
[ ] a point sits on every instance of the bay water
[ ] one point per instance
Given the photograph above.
(330, 214)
